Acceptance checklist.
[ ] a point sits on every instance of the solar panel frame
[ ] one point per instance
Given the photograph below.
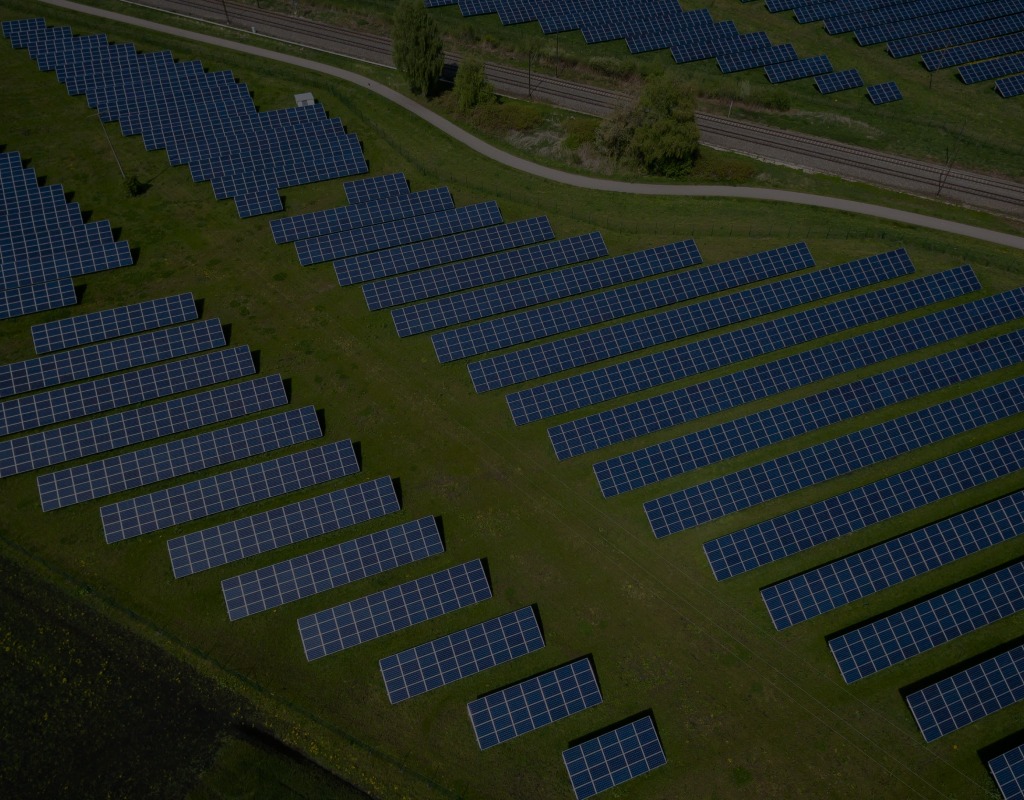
(1008, 772)
(612, 758)
(396, 608)
(338, 565)
(795, 70)
(458, 655)
(882, 93)
(838, 81)
(278, 527)
(364, 190)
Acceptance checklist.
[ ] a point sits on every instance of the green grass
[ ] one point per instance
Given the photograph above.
(740, 708)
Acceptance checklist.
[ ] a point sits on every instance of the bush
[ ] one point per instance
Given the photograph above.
(580, 131)
(499, 119)
(471, 85)
(417, 46)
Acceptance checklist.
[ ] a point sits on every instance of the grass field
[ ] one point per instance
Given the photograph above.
(741, 710)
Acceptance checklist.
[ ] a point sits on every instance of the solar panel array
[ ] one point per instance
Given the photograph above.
(543, 288)
(112, 323)
(884, 93)
(801, 68)
(896, 637)
(624, 301)
(975, 51)
(372, 212)
(152, 512)
(205, 120)
(995, 68)
(505, 265)
(1011, 87)
(699, 448)
(57, 445)
(969, 695)
(639, 418)
(855, 510)
(338, 565)
(117, 391)
(37, 297)
(504, 715)
(900, 29)
(403, 231)
(282, 526)
(614, 757)
(950, 37)
(708, 501)
(179, 457)
(378, 614)
(431, 253)
(550, 357)
(113, 356)
(645, 372)
(841, 582)
(365, 190)
(838, 81)
(751, 59)
(1008, 771)
(461, 654)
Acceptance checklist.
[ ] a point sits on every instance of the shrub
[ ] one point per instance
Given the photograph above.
(417, 46)
(471, 85)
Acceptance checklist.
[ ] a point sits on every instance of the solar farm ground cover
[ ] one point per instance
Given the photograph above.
(703, 657)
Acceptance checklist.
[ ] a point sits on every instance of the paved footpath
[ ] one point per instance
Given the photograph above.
(549, 173)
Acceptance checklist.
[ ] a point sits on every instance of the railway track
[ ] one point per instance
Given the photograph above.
(802, 151)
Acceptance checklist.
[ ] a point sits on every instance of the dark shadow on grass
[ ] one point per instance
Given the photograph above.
(960, 667)
(647, 712)
(990, 751)
(538, 674)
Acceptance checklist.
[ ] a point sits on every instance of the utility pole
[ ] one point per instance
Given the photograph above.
(111, 144)
(227, 18)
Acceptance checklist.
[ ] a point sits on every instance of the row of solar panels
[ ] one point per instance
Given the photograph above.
(205, 120)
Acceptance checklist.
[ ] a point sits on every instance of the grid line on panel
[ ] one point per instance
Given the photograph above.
(946, 705)
(269, 530)
(1008, 772)
(697, 449)
(542, 288)
(179, 457)
(508, 264)
(859, 575)
(855, 510)
(152, 512)
(94, 397)
(366, 618)
(461, 654)
(114, 322)
(614, 757)
(656, 369)
(626, 337)
(713, 499)
(331, 567)
(895, 638)
(635, 298)
(501, 716)
(434, 252)
(35, 297)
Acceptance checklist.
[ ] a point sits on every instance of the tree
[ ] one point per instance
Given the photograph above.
(418, 49)
(471, 85)
(657, 133)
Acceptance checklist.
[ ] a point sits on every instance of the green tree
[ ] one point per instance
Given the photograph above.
(417, 46)
(471, 85)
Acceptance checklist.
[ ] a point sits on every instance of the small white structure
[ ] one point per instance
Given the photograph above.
(305, 99)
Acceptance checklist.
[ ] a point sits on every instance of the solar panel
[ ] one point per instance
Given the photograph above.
(901, 28)
(552, 696)
(338, 565)
(282, 526)
(994, 68)
(461, 654)
(152, 512)
(397, 260)
(57, 445)
(501, 266)
(399, 232)
(699, 448)
(1007, 87)
(751, 59)
(70, 402)
(794, 70)
(813, 593)
(855, 510)
(896, 637)
(543, 288)
(700, 49)
(378, 614)
(366, 189)
(939, 40)
(838, 81)
(24, 300)
(626, 337)
(969, 695)
(179, 457)
(1008, 771)
(645, 372)
(583, 435)
(372, 212)
(114, 322)
(884, 93)
(707, 501)
(614, 757)
(113, 356)
(623, 301)
(975, 51)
